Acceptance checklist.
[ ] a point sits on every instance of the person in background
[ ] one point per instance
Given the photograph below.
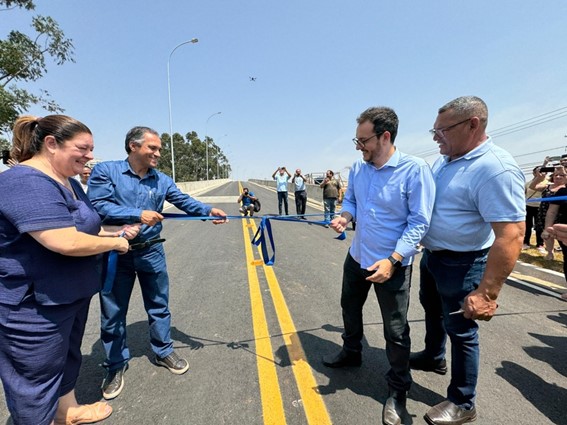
(390, 194)
(473, 242)
(129, 191)
(84, 177)
(281, 176)
(557, 214)
(50, 267)
(300, 193)
(531, 215)
(559, 232)
(331, 188)
(548, 187)
(247, 199)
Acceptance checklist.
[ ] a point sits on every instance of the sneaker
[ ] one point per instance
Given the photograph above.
(541, 250)
(525, 246)
(174, 363)
(113, 383)
(420, 361)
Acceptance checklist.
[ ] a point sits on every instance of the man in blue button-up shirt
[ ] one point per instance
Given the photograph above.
(390, 196)
(132, 191)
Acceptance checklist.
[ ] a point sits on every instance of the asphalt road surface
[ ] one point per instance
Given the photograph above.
(254, 337)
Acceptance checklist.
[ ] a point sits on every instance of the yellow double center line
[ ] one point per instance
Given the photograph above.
(272, 404)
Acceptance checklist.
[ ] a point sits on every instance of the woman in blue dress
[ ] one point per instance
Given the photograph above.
(51, 241)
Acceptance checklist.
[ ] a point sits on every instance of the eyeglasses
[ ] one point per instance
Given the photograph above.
(441, 131)
(362, 142)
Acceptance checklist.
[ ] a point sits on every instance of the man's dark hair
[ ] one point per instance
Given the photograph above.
(136, 136)
(383, 118)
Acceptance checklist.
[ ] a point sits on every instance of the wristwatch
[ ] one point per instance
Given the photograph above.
(395, 263)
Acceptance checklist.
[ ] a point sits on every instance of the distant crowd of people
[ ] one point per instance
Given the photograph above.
(549, 181)
(466, 214)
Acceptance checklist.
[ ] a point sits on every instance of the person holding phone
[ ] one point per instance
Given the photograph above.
(247, 199)
(548, 186)
(300, 193)
(282, 176)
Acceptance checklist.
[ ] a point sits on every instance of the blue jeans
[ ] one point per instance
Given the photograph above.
(329, 204)
(446, 279)
(393, 298)
(150, 268)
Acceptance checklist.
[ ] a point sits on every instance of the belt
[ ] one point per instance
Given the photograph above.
(449, 253)
(142, 245)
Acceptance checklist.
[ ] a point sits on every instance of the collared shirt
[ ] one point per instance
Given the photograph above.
(482, 187)
(299, 184)
(391, 205)
(281, 182)
(246, 199)
(120, 195)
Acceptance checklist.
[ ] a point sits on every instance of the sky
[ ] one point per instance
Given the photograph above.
(317, 65)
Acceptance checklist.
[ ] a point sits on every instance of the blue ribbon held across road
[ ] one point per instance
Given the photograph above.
(260, 240)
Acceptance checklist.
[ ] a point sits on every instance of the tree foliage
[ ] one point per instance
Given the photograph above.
(190, 158)
(23, 59)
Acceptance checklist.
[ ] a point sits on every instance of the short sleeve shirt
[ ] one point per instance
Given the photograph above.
(33, 201)
(482, 187)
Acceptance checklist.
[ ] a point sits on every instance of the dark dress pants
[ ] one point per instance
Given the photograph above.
(393, 298)
(282, 198)
(300, 201)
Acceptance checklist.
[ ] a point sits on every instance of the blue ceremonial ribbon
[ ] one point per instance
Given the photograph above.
(548, 199)
(264, 228)
(111, 266)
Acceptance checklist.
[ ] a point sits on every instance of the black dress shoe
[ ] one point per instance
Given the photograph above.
(421, 361)
(447, 413)
(343, 359)
(394, 407)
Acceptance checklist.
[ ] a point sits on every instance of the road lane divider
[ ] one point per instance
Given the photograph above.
(270, 393)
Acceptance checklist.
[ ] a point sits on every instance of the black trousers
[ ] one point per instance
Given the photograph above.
(393, 298)
(300, 201)
(282, 197)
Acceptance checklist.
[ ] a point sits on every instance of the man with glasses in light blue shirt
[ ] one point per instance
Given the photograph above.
(472, 245)
(390, 195)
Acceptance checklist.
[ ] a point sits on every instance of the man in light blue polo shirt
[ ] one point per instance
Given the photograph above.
(473, 242)
(281, 176)
(390, 195)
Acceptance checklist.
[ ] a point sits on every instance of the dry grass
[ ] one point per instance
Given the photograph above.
(533, 256)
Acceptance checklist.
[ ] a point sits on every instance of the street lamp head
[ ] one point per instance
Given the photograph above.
(194, 40)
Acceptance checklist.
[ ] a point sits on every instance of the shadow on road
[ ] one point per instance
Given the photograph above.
(535, 389)
(547, 398)
(367, 380)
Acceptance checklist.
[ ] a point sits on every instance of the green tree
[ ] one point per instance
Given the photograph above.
(190, 158)
(23, 59)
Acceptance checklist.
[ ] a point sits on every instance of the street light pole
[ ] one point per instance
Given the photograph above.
(218, 152)
(193, 40)
(207, 142)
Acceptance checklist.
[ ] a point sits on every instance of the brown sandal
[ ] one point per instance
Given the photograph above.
(86, 414)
